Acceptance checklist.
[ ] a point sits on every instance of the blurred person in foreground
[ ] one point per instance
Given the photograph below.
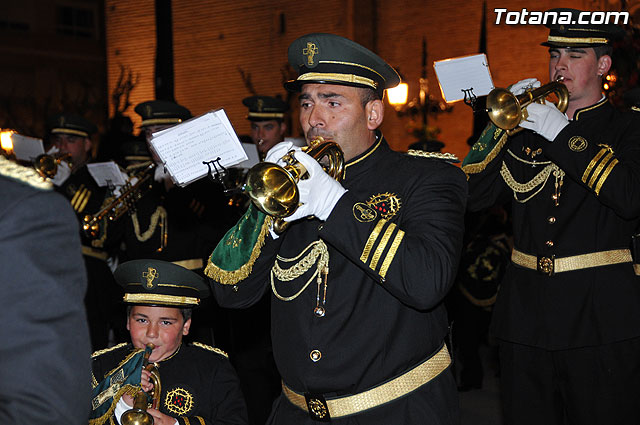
(44, 348)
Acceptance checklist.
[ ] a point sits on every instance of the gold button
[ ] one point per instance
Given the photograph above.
(549, 243)
(315, 355)
(551, 220)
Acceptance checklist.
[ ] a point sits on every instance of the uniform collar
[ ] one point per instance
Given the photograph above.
(589, 111)
(368, 158)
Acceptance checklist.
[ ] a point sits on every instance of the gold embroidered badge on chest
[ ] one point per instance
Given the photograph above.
(179, 401)
(386, 205)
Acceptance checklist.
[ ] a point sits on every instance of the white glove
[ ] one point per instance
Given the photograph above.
(278, 151)
(522, 85)
(121, 407)
(63, 173)
(318, 194)
(546, 120)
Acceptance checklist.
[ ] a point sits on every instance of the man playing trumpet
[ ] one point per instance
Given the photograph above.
(568, 312)
(358, 277)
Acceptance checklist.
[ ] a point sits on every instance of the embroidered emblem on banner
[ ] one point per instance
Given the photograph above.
(179, 401)
(150, 275)
(578, 143)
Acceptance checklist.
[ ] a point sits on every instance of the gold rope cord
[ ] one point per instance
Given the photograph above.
(538, 181)
(159, 215)
(318, 253)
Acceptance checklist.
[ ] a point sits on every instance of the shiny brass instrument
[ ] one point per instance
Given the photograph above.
(131, 193)
(274, 190)
(47, 165)
(138, 415)
(506, 110)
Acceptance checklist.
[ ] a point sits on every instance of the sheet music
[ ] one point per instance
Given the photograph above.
(184, 147)
(465, 72)
(26, 148)
(105, 173)
(252, 155)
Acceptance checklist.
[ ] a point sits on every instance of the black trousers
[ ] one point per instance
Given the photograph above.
(590, 385)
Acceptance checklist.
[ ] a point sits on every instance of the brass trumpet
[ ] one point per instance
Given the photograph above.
(506, 110)
(47, 165)
(138, 415)
(273, 189)
(92, 224)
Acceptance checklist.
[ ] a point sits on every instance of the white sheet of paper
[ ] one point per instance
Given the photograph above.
(26, 148)
(252, 155)
(105, 173)
(465, 72)
(183, 148)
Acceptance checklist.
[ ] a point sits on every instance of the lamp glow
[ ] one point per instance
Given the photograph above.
(398, 95)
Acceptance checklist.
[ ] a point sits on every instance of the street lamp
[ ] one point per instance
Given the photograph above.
(418, 109)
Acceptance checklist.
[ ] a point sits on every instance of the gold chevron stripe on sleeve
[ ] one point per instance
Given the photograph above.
(604, 176)
(85, 200)
(372, 239)
(381, 246)
(392, 253)
(592, 164)
(80, 200)
(75, 196)
(599, 169)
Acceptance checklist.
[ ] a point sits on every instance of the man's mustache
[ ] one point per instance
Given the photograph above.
(318, 132)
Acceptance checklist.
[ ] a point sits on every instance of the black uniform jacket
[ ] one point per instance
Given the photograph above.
(598, 209)
(197, 382)
(87, 198)
(393, 241)
(44, 340)
(191, 219)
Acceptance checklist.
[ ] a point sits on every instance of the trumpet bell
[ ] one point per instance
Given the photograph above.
(272, 189)
(136, 417)
(507, 110)
(504, 109)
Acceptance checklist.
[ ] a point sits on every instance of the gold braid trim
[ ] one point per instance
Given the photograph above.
(106, 350)
(538, 181)
(438, 155)
(159, 215)
(128, 388)
(210, 348)
(480, 166)
(226, 277)
(23, 174)
(318, 253)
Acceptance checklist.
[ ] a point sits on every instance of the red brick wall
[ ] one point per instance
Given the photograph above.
(215, 40)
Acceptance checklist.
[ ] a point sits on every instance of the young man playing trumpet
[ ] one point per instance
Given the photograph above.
(568, 312)
(198, 385)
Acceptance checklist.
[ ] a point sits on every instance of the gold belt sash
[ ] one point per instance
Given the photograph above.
(552, 265)
(193, 264)
(323, 409)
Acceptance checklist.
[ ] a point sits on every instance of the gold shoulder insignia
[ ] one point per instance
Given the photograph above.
(106, 350)
(210, 348)
(438, 155)
(23, 174)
